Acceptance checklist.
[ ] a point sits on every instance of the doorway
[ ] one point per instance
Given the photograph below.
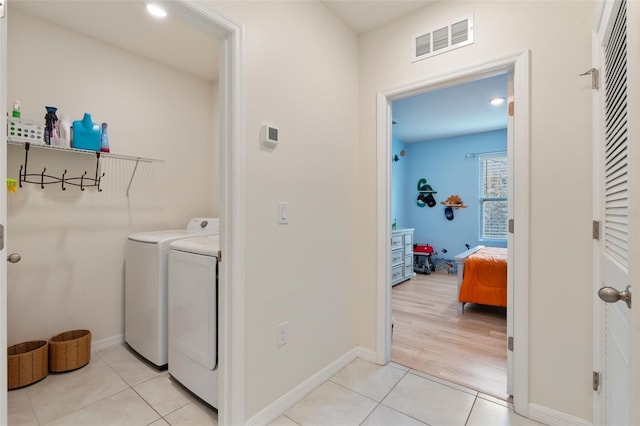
(231, 208)
(456, 140)
(518, 158)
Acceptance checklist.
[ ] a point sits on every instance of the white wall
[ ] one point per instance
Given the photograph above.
(558, 35)
(72, 242)
(301, 76)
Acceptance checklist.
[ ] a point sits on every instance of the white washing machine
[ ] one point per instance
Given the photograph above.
(146, 287)
(193, 315)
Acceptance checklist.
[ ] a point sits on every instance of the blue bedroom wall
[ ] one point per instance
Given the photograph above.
(446, 168)
(398, 179)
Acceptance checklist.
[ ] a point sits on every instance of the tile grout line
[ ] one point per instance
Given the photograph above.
(33, 409)
(109, 368)
(84, 406)
(440, 381)
(446, 383)
(284, 415)
(147, 402)
(159, 372)
(386, 406)
(471, 410)
(350, 390)
(129, 386)
(378, 403)
(416, 375)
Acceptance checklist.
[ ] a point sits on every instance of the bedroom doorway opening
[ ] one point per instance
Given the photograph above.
(447, 143)
(516, 65)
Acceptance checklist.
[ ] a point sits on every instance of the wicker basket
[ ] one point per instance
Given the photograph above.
(69, 350)
(27, 363)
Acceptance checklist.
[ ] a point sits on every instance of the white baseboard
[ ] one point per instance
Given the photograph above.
(366, 354)
(107, 343)
(555, 418)
(289, 399)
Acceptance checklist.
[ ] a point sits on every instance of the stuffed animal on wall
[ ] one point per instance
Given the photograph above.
(454, 201)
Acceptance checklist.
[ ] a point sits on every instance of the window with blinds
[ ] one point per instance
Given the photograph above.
(493, 197)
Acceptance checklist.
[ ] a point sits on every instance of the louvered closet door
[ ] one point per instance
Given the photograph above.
(615, 245)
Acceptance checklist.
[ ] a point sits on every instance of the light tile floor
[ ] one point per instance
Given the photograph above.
(367, 394)
(117, 388)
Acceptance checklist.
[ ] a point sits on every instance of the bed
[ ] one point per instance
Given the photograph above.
(482, 276)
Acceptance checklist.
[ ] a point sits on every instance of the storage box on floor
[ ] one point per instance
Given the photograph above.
(422, 263)
(30, 362)
(445, 265)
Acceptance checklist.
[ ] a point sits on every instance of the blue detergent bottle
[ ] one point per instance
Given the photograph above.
(86, 134)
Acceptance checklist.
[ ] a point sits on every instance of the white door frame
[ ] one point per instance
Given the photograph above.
(3, 216)
(518, 63)
(232, 205)
(598, 306)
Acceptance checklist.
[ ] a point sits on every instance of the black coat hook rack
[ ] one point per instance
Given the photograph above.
(43, 178)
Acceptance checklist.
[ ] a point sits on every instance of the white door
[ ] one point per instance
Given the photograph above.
(3, 211)
(616, 174)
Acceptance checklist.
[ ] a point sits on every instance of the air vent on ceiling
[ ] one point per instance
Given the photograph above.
(443, 38)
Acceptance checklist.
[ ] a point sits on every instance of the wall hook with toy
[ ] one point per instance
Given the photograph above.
(425, 194)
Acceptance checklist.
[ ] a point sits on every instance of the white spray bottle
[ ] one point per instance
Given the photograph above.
(65, 130)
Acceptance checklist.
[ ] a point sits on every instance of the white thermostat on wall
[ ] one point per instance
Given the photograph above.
(269, 135)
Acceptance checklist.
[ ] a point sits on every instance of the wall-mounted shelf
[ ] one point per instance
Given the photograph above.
(428, 192)
(455, 206)
(82, 181)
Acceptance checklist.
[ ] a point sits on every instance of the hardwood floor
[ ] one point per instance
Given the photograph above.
(429, 335)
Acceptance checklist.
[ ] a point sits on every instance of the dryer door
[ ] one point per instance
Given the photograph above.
(193, 306)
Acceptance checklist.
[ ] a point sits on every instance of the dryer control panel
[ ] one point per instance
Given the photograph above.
(203, 225)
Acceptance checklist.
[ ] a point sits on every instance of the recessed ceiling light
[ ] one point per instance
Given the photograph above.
(497, 101)
(156, 10)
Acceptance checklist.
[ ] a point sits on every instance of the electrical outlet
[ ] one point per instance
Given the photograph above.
(283, 333)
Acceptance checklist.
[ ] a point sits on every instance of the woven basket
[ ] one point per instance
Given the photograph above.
(69, 350)
(27, 363)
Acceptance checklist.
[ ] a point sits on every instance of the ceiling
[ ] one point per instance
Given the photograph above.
(454, 111)
(364, 15)
(127, 25)
(173, 42)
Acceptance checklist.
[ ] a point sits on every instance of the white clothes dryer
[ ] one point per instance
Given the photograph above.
(146, 287)
(193, 315)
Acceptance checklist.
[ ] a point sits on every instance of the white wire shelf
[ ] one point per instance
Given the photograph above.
(85, 151)
(85, 181)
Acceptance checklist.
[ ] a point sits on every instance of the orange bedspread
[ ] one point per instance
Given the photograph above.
(485, 277)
